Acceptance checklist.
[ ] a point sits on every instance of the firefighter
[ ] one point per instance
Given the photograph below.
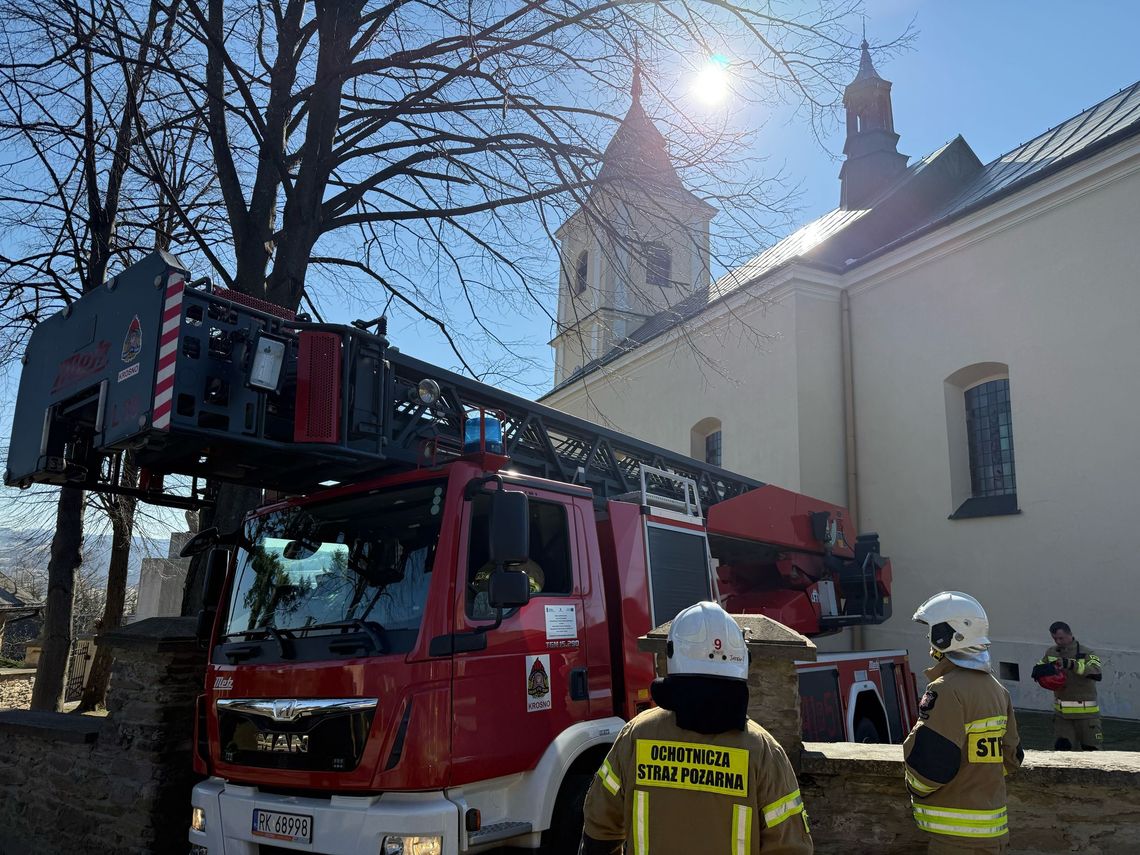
(1071, 672)
(965, 741)
(695, 774)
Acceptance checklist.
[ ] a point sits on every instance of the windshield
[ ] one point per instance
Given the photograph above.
(366, 558)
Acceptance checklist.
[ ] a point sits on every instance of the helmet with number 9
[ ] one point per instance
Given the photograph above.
(705, 640)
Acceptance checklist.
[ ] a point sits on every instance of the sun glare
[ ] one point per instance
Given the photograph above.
(712, 83)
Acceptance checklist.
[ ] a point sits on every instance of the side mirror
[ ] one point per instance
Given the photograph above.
(207, 538)
(216, 565)
(508, 589)
(205, 625)
(509, 528)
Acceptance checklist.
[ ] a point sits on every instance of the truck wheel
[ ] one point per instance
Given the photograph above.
(866, 731)
(565, 830)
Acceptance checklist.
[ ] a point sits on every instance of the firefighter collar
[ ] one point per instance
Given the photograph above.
(958, 660)
(977, 659)
(939, 668)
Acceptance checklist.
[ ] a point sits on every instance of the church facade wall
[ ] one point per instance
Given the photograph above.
(767, 368)
(1048, 288)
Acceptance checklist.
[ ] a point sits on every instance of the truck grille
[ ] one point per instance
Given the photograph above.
(333, 742)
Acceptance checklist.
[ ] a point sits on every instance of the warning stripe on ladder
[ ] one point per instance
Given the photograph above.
(168, 352)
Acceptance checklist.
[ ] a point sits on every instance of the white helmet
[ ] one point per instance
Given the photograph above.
(956, 620)
(704, 639)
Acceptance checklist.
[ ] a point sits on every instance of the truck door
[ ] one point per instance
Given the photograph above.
(514, 695)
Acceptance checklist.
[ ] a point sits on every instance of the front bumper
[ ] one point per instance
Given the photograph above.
(342, 825)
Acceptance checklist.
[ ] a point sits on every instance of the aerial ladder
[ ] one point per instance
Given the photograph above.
(208, 386)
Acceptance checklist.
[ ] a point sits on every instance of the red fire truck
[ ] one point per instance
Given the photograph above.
(429, 645)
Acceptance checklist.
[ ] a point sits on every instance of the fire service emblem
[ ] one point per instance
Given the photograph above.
(538, 683)
(132, 341)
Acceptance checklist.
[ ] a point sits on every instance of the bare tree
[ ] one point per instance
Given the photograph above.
(73, 83)
(412, 151)
(388, 141)
(121, 511)
(416, 151)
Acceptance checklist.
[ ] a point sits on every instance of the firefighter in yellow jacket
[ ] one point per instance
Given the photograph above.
(965, 741)
(1071, 672)
(695, 775)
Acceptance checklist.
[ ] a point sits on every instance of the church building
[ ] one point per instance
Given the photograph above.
(951, 353)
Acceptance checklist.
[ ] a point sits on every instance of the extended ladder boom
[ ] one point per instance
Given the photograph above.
(213, 385)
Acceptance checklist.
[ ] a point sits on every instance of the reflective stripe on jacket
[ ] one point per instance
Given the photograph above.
(1082, 669)
(958, 754)
(665, 790)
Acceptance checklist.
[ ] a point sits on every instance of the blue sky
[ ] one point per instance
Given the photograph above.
(997, 73)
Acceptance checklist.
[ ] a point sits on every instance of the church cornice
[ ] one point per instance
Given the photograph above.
(594, 314)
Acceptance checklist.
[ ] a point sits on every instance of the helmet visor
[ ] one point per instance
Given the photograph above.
(941, 635)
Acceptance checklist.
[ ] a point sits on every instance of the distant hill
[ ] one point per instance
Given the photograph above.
(31, 549)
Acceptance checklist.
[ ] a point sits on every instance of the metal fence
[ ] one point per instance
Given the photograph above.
(78, 666)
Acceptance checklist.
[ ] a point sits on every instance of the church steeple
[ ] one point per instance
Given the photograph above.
(872, 158)
(637, 152)
(637, 247)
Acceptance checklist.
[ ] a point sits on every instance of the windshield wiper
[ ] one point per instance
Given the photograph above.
(374, 630)
(283, 638)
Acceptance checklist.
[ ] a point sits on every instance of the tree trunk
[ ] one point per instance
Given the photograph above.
(122, 527)
(234, 502)
(66, 556)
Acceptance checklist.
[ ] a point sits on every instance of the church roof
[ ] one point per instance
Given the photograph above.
(1105, 124)
(637, 152)
(13, 601)
(866, 67)
(1113, 120)
(7, 598)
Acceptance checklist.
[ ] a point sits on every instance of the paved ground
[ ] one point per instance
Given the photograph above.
(1036, 729)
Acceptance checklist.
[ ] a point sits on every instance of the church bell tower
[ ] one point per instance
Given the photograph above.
(872, 158)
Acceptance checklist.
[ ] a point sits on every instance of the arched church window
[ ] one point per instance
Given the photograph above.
(979, 423)
(989, 430)
(706, 441)
(659, 265)
(713, 448)
(581, 272)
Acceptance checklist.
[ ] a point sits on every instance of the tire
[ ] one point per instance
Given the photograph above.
(565, 830)
(867, 731)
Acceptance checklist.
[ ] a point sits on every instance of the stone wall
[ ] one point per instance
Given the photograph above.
(16, 688)
(118, 785)
(1058, 802)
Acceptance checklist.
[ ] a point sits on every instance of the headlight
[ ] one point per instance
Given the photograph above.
(399, 845)
(198, 819)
